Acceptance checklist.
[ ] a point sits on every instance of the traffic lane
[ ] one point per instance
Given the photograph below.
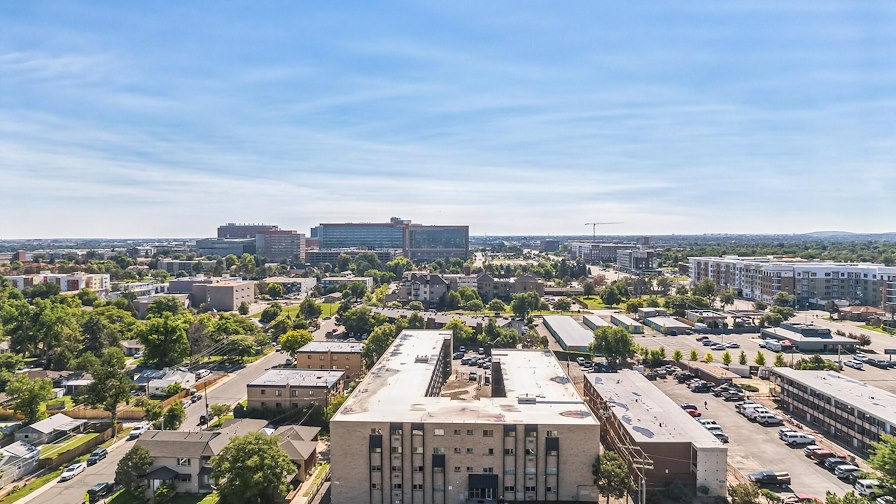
(232, 390)
(753, 447)
(75, 489)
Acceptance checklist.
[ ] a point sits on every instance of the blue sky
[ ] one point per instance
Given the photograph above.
(168, 118)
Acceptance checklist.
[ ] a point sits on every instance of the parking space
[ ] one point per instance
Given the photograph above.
(753, 447)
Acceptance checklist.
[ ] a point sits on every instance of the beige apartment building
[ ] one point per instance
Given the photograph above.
(226, 295)
(344, 356)
(525, 436)
(813, 283)
(294, 388)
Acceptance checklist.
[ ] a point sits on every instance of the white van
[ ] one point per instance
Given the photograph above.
(797, 438)
(867, 487)
(768, 419)
(746, 409)
(774, 346)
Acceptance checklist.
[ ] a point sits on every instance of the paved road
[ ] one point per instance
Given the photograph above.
(233, 389)
(73, 491)
(755, 448)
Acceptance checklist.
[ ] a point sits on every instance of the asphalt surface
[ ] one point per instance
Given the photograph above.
(755, 448)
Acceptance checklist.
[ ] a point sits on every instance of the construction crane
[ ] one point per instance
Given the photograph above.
(594, 227)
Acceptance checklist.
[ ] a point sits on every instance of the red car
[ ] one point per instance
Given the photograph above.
(694, 413)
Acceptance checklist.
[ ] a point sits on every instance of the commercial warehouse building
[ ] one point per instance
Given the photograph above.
(850, 412)
(810, 338)
(667, 325)
(568, 333)
(627, 323)
(593, 322)
(640, 419)
(529, 438)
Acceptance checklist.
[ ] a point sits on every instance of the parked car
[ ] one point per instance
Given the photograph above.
(688, 406)
(717, 346)
(798, 438)
(694, 413)
(202, 373)
(708, 342)
(855, 364)
(196, 397)
(700, 387)
(706, 422)
(867, 487)
(457, 355)
(753, 413)
(833, 463)
(137, 430)
(808, 450)
(100, 490)
(769, 419)
(784, 430)
(732, 344)
(770, 478)
(186, 403)
(720, 435)
(733, 395)
(473, 376)
(72, 471)
(844, 471)
(879, 363)
(96, 456)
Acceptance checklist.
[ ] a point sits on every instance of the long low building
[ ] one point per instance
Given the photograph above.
(850, 412)
(528, 436)
(667, 325)
(593, 322)
(640, 419)
(627, 323)
(568, 333)
(809, 338)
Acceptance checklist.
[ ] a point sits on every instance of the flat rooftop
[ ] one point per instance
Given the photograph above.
(442, 318)
(596, 321)
(648, 414)
(332, 346)
(298, 378)
(668, 322)
(395, 389)
(568, 330)
(798, 337)
(860, 395)
(625, 319)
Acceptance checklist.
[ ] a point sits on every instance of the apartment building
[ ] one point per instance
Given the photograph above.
(280, 245)
(490, 287)
(428, 288)
(526, 436)
(640, 420)
(224, 296)
(173, 266)
(294, 388)
(597, 252)
(67, 282)
(336, 281)
(813, 283)
(341, 355)
(636, 261)
(852, 413)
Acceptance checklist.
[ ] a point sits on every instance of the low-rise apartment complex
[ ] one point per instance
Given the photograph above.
(813, 283)
(850, 412)
(294, 388)
(67, 282)
(530, 438)
(640, 420)
(339, 355)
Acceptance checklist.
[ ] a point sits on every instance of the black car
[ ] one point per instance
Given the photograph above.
(96, 456)
(100, 490)
(770, 478)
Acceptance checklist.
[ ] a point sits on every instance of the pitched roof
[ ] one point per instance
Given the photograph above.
(176, 443)
(298, 450)
(301, 432)
(56, 422)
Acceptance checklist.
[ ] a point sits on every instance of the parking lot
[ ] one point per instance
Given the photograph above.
(754, 448)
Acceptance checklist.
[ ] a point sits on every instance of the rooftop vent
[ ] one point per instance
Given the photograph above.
(421, 358)
(525, 400)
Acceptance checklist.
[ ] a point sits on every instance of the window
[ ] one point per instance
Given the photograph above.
(396, 468)
(374, 486)
(552, 433)
(396, 449)
(438, 469)
(396, 486)
(438, 432)
(183, 462)
(530, 451)
(264, 391)
(456, 468)
(469, 432)
(376, 431)
(530, 488)
(508, 451)
(396, 432)
(418, 486)
(488, 433)
(551, 470)
(294, 393)
(457, 432)
(438, 451)
(469, 451)
(321, 357)
(469, 469)
(418, 449)
(488, 470)
(278, 392)
(278, 405)
(509, 488)
(457, 450)
(376, 468)
(416, 432)
(490, 451)
(510, 471)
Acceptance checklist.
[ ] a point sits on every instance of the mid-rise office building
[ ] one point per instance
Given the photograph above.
(234, 230)
(226, 295)
(597, 252)
(637, 261)
(813, 283)
(643, 422)
(527, 435)
(490, 287)
(849, 412)
(417, 242)
(281, 245)
(225, 246)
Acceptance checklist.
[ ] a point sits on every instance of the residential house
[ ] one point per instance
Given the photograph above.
(17, 461)
(49, 429)
(156, 381)
(504, 288)
(131, 347)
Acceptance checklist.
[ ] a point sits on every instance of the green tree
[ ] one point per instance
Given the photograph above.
(376, 344)
(613, 343)
(742, 358)
(831, 307)
(165, 304)
(743, 493)
(152, 410)
(610, 296)
(270, 312)
(218, 410)
(360, 320)
(252, 469)
(676, 355)
(760, 359)
(726, 298)
(563, 304)
(783, 299)
(132, 468)
(705, 288)
(664, 284)
(111, 385)
(496, 305)
(105, 327)
(883, 459)
(87, 297)
(292, 341)
(524, 303)
(416, 306)
(611, 475)
(461, 333)
(28, 396)
(243, 309)
(280, 325)
(847, 498)
(632, 305)
(275, 290)
(709, 358)
(415, 321)
(174, 416)
(333, 406)
(165, 340)
(779, 360)
(693, 357)
(310, 309)
(760, 305)
(726, 358)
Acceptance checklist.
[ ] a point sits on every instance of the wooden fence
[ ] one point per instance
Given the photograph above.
(69, 455)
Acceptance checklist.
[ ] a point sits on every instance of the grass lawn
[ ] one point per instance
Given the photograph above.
(318, 474)
(593, 302)
(220, 421)
(51, 450)
(123, 497)
(33, 485)
(60, 403)
(875, 329)
(327, 310)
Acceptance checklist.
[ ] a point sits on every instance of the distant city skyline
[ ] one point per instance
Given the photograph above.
(685, 118)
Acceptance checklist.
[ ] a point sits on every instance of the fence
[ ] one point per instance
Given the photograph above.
(69, 455)
(87, 413)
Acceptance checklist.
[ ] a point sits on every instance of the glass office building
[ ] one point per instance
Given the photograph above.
(384, 236)
(415, 241)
